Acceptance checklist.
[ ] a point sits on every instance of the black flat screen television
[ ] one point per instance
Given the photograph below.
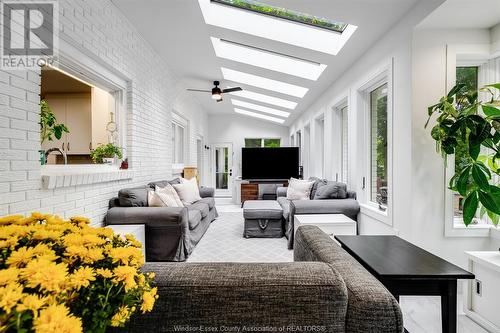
(269, 163)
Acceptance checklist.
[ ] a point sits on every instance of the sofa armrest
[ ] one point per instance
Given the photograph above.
(207, 192)
(214, 295)
(348, 207)
(367, 297)
(351, 195)
(150, 216)
(281, 191)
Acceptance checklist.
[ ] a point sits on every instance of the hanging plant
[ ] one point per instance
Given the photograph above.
(470, 127)
(48, 124)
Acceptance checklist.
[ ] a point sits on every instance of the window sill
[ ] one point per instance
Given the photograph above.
(177, 168)
(474, 230)
(56, 176)
(375, 213)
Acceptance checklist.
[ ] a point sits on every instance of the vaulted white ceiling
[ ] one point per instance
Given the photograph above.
(178, 32)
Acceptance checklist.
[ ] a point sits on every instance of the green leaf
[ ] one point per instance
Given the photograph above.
(474, 151)
(496, 86)
(490, 202)
(493, 217)
(480, 178)
(463, 181)
(470, 207)
(490, 111)
(456, 89)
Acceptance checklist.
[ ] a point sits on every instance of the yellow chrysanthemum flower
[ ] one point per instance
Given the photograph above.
(9, 243)
(104, 272)
(9, 296)
(93, 255)
(79, 251)
(56, 318)
(82, 277)
(80, 220)
(120, 317)
(10, 219)
(73, 239)
(8, 275)
(148, 300)
(126, 255)
(32, 303)
(48, 275)
(20, 257)
(92, 240)
(125, 274)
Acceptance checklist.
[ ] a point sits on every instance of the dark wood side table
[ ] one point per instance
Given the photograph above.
(406, 269)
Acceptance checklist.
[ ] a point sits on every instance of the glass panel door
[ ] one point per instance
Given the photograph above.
(222, 166)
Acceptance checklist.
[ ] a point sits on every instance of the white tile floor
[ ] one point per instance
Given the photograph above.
(224, 242)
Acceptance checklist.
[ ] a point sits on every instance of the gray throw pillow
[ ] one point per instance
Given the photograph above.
(317, 184)
(332, 190)
(164, 183)
(134, 197)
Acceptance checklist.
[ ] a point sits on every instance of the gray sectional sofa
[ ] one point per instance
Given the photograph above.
(324, 290)
(327, 197)
(171, 232)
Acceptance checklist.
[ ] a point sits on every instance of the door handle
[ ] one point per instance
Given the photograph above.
(68, 146)
(63, 146)
(90, 145)
(230, 172)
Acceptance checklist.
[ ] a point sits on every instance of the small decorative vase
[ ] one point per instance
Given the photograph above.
(42, 157)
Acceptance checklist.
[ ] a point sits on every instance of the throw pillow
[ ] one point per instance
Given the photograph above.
(332, 190)
(154, 200)
(164, 197)
(317, 184)
(188, 191)
(299, 189)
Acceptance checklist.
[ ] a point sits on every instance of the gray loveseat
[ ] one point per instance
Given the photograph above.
(171, 232)
(327, 197)
(324, 290)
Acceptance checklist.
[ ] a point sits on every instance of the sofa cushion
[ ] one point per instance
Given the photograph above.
(209, 201)
(299, 189)
(317, 184)
(134, 197)
(332, 190)
(285, 206)
(194, 218)
(201, 207)
(163, 183)
(262, 209)
(188, 191)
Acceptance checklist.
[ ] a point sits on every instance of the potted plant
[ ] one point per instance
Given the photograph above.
(106, 153)
(66, 276)
(49, 127)
(471, 128)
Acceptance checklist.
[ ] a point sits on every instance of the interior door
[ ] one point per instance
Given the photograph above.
(222, 166)
(78, 120)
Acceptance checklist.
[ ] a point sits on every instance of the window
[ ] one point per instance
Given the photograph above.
(284, 13)
(262, 143)
(378, 146)
(319, 146)
(345, 144)
(178, 142)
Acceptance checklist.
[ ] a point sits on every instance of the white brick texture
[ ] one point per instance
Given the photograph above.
(97, 28)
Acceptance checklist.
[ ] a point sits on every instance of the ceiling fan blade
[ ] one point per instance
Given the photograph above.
(199, 90)
(232, 89)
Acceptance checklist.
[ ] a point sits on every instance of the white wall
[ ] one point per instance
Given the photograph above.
(234, 129)
(97, 29)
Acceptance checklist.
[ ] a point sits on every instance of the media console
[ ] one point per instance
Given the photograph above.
(250, 188)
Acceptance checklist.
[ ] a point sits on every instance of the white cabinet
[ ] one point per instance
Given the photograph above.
(73, 110)
(331, 224)
(483, 292)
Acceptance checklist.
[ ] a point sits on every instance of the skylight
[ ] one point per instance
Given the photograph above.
(259, 115)
(267, 59)
(283, 13)
(266, 99)
(264, 83)
(283, 30)
(261, 108)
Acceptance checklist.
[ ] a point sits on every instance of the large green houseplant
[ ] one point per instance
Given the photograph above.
(471, 127)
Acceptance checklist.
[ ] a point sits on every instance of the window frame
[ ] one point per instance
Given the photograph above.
(179, 121)
(466, 56)
(339, 143)
(262, 141)
(380, 76)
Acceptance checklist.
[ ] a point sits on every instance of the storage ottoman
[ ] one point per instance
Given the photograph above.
(263, 218)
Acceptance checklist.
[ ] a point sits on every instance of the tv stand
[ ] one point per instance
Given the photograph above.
(250, 188)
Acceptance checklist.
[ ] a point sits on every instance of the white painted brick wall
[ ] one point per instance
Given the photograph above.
(99, 28)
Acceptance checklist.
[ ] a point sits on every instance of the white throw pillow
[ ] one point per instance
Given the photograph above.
(299, 189)
(188, 191)
(164, 197)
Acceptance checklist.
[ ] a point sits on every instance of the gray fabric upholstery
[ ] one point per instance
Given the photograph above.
(317, 184)
(133, 197)
(210, 201)
(207, 192)
(281, 192)
(348, 207)
(371, 307)
(201, 207)
(331, 190)
(245, 295)
(285, 205)
(194, 218)
(163, 183)
(351, 195)
(262, 209)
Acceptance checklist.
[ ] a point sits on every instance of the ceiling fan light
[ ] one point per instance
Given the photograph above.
(216, 93)
(216, 96)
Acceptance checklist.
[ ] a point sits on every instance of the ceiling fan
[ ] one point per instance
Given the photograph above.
(217, 92)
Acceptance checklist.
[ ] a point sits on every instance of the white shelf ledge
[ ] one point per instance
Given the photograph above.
(56, 176)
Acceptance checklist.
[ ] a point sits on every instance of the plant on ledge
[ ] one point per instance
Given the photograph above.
(471, 128)
(103, 152)
(48, 124)
(65, 276)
